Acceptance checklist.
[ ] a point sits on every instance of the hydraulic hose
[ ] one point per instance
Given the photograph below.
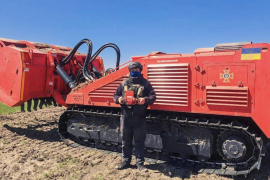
(89, 58)
(86, 63)
(78, 76)
(114, 46)
(71, 54)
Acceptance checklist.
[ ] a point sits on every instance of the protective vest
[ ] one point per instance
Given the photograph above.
(137, 88)
(133, 113)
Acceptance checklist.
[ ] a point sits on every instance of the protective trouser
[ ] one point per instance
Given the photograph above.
(129, 129)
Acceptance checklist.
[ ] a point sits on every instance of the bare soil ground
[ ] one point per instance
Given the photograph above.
(30, 148)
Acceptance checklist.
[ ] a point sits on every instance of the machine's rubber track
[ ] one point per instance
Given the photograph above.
(220, 167)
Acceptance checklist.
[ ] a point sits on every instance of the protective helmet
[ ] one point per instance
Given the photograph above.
(134, 65)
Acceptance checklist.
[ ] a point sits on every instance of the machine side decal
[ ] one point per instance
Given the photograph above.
(251, 54)
(78, 97)
(226, 76)
(161, 61)
(23, 75)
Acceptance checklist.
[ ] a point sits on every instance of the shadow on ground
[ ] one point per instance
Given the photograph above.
(174, 170)
(167, 169)
(31, 132)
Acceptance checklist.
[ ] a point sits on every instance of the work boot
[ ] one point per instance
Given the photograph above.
(142, 168)
(122, 165)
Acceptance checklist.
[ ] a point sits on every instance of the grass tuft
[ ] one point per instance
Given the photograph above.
(47, 175)
(67, 162)
(6, 110)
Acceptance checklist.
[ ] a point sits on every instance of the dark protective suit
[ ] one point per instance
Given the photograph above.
(133, 118)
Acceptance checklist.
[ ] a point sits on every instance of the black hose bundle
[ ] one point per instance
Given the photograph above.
(114, 46)
(71, 54)
(89, 58)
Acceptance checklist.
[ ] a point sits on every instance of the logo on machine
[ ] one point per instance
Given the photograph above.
(161, 61)
(226, 76)
(78, 97)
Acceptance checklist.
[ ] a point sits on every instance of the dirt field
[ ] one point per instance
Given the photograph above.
(30, 148)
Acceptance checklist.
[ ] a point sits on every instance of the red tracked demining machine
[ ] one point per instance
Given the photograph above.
(211, 109)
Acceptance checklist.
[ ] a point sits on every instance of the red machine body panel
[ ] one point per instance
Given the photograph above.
(208, 82)
(27, 71)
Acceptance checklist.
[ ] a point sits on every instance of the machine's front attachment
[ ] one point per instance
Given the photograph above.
(45, 73)
(27, 71)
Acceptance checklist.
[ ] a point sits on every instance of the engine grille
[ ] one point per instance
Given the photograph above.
(107, 91)
(170, 82)
(227, 96)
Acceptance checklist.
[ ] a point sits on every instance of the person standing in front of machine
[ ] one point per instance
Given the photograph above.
(134, 95)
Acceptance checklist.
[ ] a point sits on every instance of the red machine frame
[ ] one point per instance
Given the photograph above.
(244, 93)
(28, 71)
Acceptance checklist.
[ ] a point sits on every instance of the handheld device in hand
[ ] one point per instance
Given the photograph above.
(129, 98)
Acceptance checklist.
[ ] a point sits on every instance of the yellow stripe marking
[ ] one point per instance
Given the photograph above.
(23, 76)
(256, 56)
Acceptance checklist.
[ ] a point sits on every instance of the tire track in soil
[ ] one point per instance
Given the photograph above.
(30, 148)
